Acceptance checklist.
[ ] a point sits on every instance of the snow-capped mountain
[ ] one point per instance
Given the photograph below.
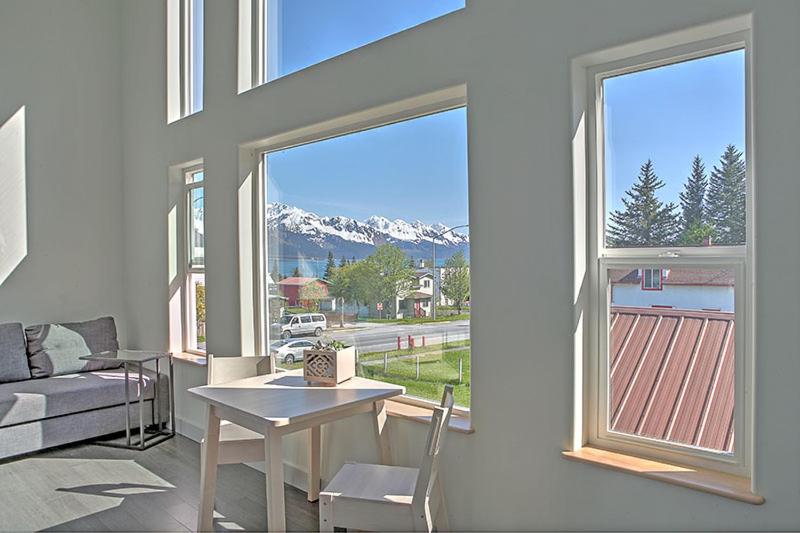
(302, 233)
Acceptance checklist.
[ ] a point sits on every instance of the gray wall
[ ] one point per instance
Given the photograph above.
(62, 61)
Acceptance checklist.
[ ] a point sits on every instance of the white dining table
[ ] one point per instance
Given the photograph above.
(276, 405)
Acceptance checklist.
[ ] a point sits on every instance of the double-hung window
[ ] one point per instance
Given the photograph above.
(194, 314)
(670, 264)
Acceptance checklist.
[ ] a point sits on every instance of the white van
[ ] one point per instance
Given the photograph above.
(303, 324)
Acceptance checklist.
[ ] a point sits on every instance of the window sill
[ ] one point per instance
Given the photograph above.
(721, 484)
(422, 415)
(191, 358)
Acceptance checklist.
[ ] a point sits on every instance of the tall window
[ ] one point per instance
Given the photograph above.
(673, 257)
(367, 239)
(195, 307)
(292, 35)
(184, 58)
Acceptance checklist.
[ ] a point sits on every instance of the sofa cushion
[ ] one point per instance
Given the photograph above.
(36, 399)
(13, 358)
(55, 349)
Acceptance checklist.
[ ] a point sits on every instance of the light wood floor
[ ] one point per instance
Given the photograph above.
(93, 488)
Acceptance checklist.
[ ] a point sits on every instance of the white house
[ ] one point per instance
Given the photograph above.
(678, 288)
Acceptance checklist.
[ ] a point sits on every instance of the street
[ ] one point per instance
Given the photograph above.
(376, 337)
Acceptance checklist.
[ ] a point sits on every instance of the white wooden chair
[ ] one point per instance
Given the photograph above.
(391, 498)
(237, 444)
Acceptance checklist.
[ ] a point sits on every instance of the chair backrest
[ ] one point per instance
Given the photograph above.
(226, 369)
(429, 470)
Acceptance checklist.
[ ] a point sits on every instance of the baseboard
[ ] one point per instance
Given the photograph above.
(293, 474)
(189, 430)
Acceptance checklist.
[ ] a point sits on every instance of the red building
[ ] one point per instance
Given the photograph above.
(290, 289)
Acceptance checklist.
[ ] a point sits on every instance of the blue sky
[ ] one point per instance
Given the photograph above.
(669, 114)
(411, 170)
(316, 30)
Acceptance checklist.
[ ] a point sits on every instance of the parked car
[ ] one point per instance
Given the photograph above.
(289, 351)
(302, 324)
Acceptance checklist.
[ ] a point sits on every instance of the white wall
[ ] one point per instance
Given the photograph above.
(515, 58)
(62, 61)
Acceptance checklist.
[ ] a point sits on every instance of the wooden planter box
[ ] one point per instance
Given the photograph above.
(329, 367)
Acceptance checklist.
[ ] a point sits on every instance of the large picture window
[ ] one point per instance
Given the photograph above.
(291, 35)
(367, 243)
(672, 258)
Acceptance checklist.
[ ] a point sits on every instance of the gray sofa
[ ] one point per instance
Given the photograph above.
(49, 397)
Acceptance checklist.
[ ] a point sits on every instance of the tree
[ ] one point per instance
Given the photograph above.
(389, 274)
(200, 307)
(645, 221)
(725, 206)
(296, 272)
(276, 273)
(329, 266)
(455, 280)
(342, 288)
(693, 199)
(342, 262)
(310, 294)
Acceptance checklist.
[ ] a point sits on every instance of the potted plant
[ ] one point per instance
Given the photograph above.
(329, 363)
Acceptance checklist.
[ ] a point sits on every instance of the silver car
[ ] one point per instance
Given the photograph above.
(289, 351)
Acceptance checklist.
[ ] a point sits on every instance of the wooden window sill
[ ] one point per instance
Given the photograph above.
(191, 358)
(719, 483)
(459, 424)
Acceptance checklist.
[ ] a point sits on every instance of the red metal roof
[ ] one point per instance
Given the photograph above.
(672, 375)
(299, 281)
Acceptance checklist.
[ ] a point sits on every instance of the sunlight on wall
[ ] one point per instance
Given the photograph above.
(13, 212)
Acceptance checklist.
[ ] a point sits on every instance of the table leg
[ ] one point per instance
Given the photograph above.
(141, 409)
(209, 454)
(127, 407)
(171, 395)
(314, 459)
(382, 432)
(156, 398)
(276, 510)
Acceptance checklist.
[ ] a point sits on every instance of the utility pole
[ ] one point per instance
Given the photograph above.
(433, 269)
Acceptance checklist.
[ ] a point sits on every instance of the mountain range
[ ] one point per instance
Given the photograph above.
(300, 233)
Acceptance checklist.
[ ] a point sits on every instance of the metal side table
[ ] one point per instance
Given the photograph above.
(157, 432)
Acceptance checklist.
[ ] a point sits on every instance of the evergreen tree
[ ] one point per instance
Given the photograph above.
(276, 273)
(694, 227)
(296, 272)
(329, 266)
(342, 262)
(645, 221)
(725, 204)
(694, 195)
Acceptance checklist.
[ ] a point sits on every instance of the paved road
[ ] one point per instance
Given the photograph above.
(376, 337)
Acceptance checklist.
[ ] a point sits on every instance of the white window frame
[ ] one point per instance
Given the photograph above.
(189, 270)
(187, 57)
(661, 51)
(251, 160)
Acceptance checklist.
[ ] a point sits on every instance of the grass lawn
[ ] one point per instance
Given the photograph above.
(417, 320)
(437, 368)
(434, 373)
(371, 356)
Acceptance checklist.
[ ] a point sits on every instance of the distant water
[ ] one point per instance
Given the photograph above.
(309, 267)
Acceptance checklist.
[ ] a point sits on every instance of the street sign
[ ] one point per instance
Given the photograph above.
(379, 306)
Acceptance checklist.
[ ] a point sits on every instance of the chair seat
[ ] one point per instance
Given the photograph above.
(228, 431)
(379, 483)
